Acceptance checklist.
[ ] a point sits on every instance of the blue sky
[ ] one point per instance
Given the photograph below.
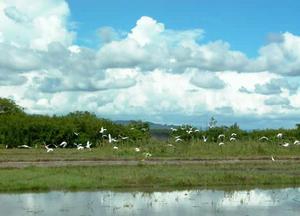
(173, 62)
(244, 24)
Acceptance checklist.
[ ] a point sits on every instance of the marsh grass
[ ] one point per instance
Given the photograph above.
(159, 150)
(150, 177)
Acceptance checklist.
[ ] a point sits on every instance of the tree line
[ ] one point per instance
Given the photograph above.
(19, 128)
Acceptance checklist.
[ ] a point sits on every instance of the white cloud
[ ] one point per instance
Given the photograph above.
(39, 22)
(207, 80)
(277, 101)
(152, 72)
(14, 14)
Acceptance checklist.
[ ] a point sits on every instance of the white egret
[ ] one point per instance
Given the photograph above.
(221, 136)
(124, 138)
(285, 144)
(272, 158)
(232, 139)
(279, 135)
(263, 138)
(102, 130)
(178, 140)
(88, 145)
(297, 142)
(147, 154)
(24, 146)
(189, 131)
(79, 146)
(111, 139)
(48, 149)
(63, 144)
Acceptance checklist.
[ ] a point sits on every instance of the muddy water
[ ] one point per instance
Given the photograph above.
(275, 202)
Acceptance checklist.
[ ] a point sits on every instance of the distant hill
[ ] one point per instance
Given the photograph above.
(152, 125)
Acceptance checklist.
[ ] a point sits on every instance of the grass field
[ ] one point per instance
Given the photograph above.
(154, 177)
(147, 177)
(161, 150)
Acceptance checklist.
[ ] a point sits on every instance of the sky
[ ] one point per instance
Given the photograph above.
(171, 62)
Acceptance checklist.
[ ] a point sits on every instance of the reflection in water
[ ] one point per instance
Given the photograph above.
(203, 202)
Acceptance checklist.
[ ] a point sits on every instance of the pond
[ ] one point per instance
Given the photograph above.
(194, 202)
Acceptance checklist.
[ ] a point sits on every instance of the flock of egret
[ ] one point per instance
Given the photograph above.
(221, 137)
(104, 134)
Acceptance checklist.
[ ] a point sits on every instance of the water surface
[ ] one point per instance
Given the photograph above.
(276, 202)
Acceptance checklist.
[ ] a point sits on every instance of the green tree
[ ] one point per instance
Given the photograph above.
(8, 106)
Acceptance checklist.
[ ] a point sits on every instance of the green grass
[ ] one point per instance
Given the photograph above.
(161, 150)
(150, 177)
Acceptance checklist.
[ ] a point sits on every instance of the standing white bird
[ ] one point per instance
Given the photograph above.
(63, 144)
(205, 138)
(272, 158)
(48, 149)
(102, 130)
(279, 135)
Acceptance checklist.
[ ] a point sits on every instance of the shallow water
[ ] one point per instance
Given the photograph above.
(195, 202)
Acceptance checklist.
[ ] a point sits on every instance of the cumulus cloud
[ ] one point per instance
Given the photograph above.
(150, 71)
(244, 90)
(267, 89)
(14, 14)
(107, 34)
(281, 56)
(44, 22)
(207, 80)
(277, 101)
(276, 86)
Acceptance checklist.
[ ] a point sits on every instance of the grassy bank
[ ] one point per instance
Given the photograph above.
(156, 177)
(192, 150)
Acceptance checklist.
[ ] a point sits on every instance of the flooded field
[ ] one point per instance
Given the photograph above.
(195, 202)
